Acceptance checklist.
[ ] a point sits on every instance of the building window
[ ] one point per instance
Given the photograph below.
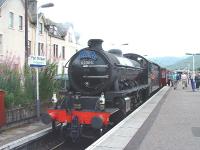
(56, 69)
(40, 49)
(29, 48)
(53, 29)
(20, 23)
(11, 20)
(1, 43)
(63, 52)
(55, 50)
(0, 12)
(70, 37)
(63, 69)
(40, 28)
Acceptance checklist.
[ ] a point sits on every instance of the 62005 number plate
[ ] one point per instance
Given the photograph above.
(87, 62)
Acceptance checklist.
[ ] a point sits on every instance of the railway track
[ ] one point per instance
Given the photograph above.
(57, 146)
(54, 141)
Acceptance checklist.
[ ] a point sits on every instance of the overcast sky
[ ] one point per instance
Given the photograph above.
(150, 27)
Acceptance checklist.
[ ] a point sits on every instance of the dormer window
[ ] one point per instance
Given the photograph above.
(70, 38)
(53, 30)
(40, 28)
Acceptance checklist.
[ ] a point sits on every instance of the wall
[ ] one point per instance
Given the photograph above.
(13, 38)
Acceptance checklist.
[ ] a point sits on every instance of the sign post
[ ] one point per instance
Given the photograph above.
(36, 62)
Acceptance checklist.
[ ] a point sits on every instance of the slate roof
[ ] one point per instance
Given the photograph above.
(61, 31)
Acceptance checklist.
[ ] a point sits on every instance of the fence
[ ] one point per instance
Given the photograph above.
(21, 114)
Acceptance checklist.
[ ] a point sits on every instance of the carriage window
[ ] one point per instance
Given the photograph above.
(150, 67)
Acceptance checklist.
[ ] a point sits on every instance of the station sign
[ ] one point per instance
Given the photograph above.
(36, 61)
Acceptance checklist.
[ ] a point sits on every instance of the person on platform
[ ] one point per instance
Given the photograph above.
(169, 79)
(193, 83)
(197, 80)
(189, 78)
(175, 79)
(184, 79)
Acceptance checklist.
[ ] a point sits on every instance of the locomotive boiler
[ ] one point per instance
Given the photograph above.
(103, 87)
(93, 70)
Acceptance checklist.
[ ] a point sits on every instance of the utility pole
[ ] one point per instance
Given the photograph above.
(36, 53)
(26, 33)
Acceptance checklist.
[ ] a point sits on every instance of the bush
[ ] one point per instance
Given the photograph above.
(21, 87)
(9, 99)
(29, 84)
(47, 80)
(14, 83)
(10, 81)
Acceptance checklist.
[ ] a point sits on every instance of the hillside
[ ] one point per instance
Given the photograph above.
(166, 61)
(185, 63)
(174, 63)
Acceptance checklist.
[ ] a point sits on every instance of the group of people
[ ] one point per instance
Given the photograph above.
(184, 78)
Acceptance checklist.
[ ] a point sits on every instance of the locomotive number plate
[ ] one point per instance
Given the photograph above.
(87, 62)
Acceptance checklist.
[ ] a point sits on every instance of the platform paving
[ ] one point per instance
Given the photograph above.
(15, 134)
(133, 126)
(170, 120)
(177, 125)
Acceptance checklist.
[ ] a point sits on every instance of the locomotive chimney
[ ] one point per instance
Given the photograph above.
(95, 44)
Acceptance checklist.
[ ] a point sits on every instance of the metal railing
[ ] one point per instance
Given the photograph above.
(20, 114)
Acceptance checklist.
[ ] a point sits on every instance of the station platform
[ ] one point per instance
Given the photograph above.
(11, 138)
(170, 120)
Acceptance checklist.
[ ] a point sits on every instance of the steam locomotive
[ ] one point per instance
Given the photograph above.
(104, 86)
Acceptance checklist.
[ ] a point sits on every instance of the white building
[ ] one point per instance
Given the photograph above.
(56, 41)
(12, 37)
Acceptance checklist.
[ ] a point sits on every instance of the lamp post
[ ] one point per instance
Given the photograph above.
(193, 68)
(118, 45)
(188, 73)
(124, 44)
(36, 53)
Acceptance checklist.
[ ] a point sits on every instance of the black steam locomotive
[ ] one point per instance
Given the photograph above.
(104, 86)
